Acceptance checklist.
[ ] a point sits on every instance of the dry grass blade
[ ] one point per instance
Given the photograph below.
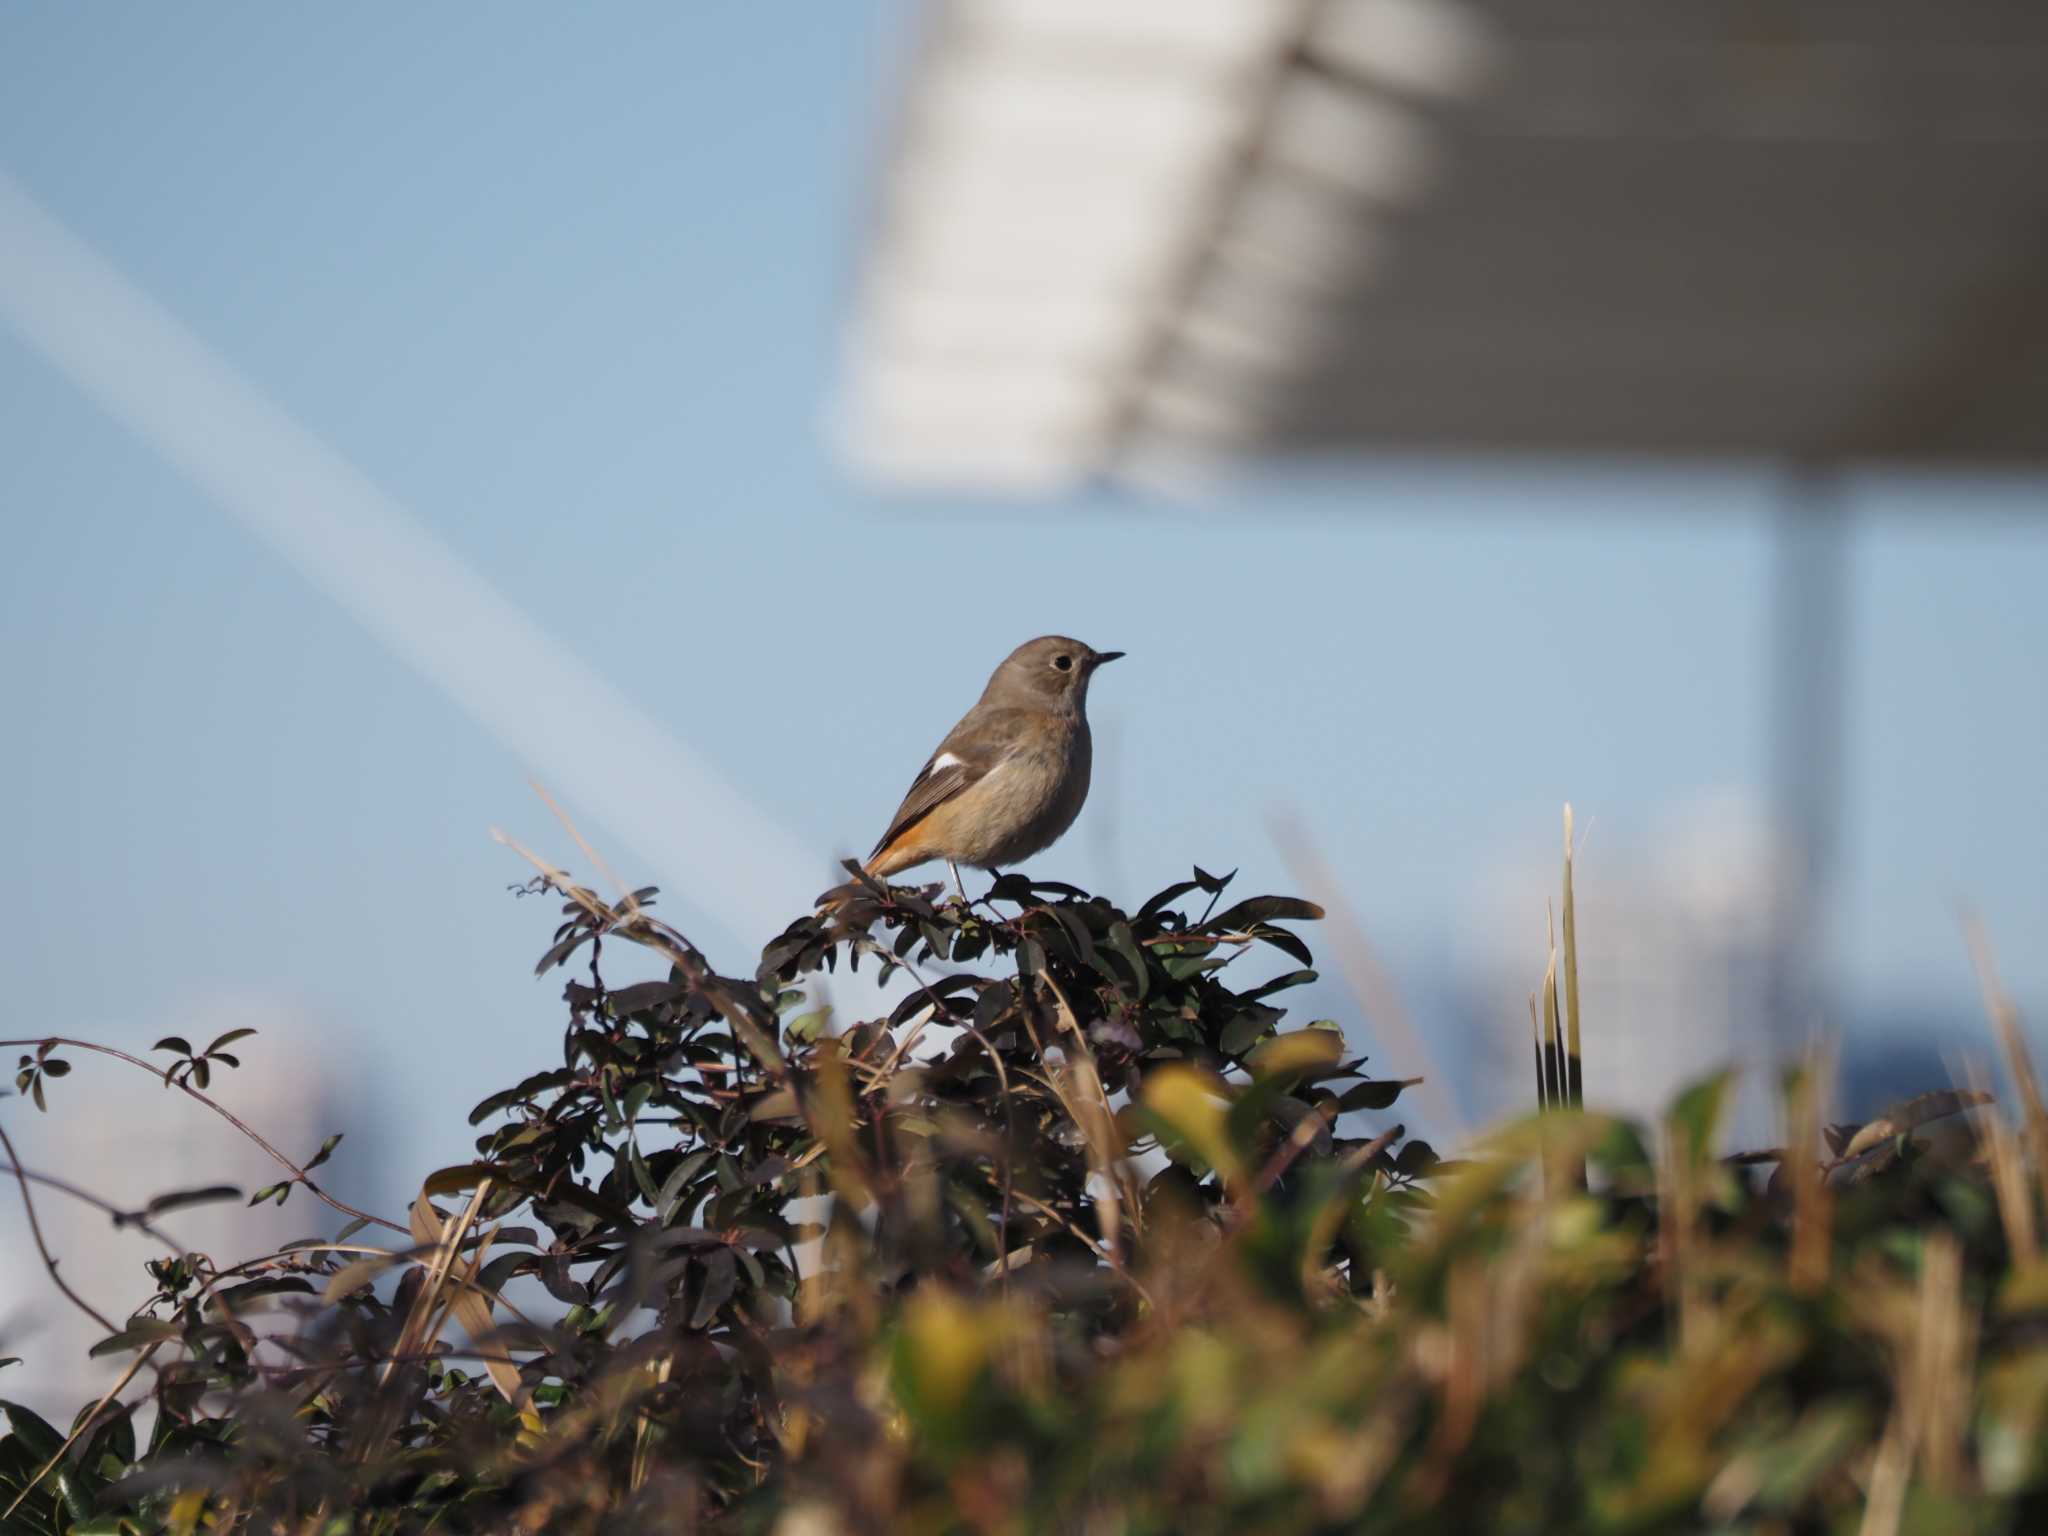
(1553, 1041)
(2006, 1162)
(422, 1322)
(1933, 1351)
(1575, 1080)
(1938, 1383)
(1080, 1091)
(2005, 1019)
(1812, 1200)
(2016, 1209)
(596, 861)
(471, 1307)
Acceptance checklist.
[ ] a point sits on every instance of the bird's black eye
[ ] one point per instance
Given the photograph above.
(1064, 663)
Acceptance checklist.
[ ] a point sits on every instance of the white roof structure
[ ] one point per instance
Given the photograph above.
(1133, 239)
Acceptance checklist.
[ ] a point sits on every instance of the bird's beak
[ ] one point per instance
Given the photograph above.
(1101, 656)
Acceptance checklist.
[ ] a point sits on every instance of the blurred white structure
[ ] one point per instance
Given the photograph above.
(1073, 184)
(1679, 947)
(1114, 239)
(1139, 243)
(124, 1136)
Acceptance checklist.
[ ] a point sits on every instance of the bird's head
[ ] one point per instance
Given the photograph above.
(1050, 672)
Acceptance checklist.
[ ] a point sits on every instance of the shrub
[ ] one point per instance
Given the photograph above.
(1077, 1238)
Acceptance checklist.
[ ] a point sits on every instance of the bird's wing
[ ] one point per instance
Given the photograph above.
(957, 764)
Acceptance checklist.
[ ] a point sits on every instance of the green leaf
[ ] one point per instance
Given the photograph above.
(808, 1026)
(643, 996)
(1180, 962)
(528, 1089)
(1279, 984)
(236, 1297)
(1121, 939)
(1264, 909)
(446, 1181)
(228, 1039)
(42, 1441)
(1695, 1115)
(672, 1187)
(1793, 1462)
(721, 1276)
(1167, 898)
(141, 1331)
(179, 1199)
(1415, 1159)
(326, 1151)
(641, 1176)
(1289, 944)
(1301, 1053)
(1030, 958)
(1246, 1030)
(1378, 1094)
(636, 1099)
(176, 1043)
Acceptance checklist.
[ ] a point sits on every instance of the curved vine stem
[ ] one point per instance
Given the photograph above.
(299, 1175)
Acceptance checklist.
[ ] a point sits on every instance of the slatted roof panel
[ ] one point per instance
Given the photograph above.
(1212, 229)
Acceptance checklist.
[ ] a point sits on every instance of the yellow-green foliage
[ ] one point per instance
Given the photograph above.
(1083, 1239)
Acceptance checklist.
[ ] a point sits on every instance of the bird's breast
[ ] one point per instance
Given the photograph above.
(1033, 797)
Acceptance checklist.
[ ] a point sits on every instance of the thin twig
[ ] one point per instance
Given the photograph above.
(1094, 1247)
(35, 1227)
(398, 1256)
(939, 1008)
(1009, 1145)
(299, 1175)
(590, 853)
(123, 1217)
(1298, 1141)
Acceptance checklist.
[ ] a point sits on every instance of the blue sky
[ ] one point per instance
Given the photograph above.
(569, 287)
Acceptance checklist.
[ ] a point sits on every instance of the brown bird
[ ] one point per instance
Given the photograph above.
(1009, 779)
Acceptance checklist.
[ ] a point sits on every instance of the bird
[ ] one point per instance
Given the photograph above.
(1010, 778)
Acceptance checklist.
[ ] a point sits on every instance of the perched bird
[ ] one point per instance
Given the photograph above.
(1011, 776)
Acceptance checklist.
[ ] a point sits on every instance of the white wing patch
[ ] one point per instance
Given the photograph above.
(945, 760)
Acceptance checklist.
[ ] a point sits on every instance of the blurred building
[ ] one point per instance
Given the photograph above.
(121, 1135)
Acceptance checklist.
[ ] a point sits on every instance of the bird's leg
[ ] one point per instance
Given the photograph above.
(956, 882)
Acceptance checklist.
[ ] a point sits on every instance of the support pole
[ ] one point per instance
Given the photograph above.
(1808, 672)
